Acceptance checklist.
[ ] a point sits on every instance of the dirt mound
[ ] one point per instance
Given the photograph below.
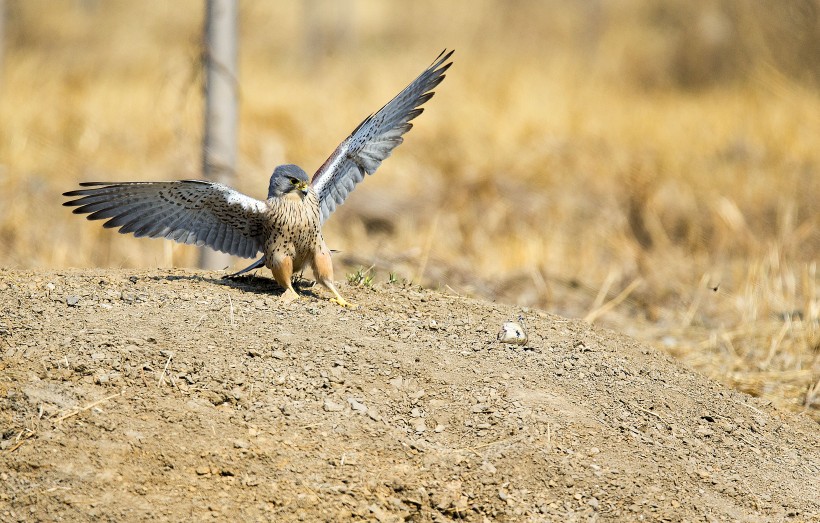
(172, 395)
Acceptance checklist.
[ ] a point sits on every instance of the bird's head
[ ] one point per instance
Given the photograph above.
(288, 179)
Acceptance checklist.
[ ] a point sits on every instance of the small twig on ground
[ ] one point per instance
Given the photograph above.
(453, 290)
(21, 438)
(164, 370)
(649, 412)
(199, 322)
(87, 407)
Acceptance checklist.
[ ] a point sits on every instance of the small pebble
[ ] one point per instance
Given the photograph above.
(357, 405)
(330, 406)
(512, 333)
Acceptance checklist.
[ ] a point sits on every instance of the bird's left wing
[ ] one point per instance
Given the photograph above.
(186, 211)
(370, 143)
(374, 139)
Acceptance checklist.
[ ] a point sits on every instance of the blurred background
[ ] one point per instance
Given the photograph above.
(646, 165)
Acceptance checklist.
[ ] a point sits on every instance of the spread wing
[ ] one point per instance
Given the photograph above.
(374, 139)
(187, 211)
(370, 143)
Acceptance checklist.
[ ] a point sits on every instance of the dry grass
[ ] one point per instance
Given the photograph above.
(654, 166)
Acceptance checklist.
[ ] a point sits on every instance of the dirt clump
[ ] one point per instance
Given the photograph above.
(173, 395)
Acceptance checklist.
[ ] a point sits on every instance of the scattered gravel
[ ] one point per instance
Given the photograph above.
(175, 395)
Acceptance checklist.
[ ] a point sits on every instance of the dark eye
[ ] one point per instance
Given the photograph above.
(294, 181)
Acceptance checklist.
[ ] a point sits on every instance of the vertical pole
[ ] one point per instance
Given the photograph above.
(219, 137)
(2, 36)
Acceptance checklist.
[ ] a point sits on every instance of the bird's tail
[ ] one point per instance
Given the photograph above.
(255, 265)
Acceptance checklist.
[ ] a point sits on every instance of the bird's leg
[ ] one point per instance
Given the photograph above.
(282, 269)
(323, 270)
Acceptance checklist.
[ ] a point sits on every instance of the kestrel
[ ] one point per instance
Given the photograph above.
(286, 227)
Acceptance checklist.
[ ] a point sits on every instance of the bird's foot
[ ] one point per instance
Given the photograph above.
(288, 296)
(338, 300)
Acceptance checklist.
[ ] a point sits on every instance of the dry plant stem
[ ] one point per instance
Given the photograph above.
(164, 370)
(428, 246)
(199, 321)
(727, 341)
(21, 439)
(540, 283)
(87, 407)
(614, 302)
(603, 292)
(775, 344)
(693, 308)
(812, 395)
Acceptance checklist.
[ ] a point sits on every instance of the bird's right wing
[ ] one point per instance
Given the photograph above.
(374, 139)
(186, 211)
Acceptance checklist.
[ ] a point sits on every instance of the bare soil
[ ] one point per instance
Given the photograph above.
(173, 395)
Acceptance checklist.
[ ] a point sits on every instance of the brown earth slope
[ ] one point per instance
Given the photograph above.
(171, 395)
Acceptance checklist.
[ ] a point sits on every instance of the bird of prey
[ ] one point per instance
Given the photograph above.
(287, 226)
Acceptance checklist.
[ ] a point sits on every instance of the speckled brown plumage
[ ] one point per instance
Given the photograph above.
(294, 238)
(292, 228)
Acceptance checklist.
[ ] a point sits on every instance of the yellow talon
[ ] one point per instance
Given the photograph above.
(344, 303)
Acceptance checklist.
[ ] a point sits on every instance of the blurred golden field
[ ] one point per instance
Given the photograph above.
(651, 166)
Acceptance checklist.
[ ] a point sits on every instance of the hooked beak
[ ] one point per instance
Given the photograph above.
(303, 187)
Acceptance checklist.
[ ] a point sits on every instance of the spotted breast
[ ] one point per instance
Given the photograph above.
(292, 227)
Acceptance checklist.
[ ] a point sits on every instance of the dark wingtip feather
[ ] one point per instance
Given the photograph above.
(80, 192)
(442, 57)
(94, 184)
(425, 97)
(84, 192)
(412, 114)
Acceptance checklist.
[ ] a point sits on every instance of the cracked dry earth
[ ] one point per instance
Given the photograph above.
(171, 395)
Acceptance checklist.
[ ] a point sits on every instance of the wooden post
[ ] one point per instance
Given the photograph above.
(219, 137)
(2, 35)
